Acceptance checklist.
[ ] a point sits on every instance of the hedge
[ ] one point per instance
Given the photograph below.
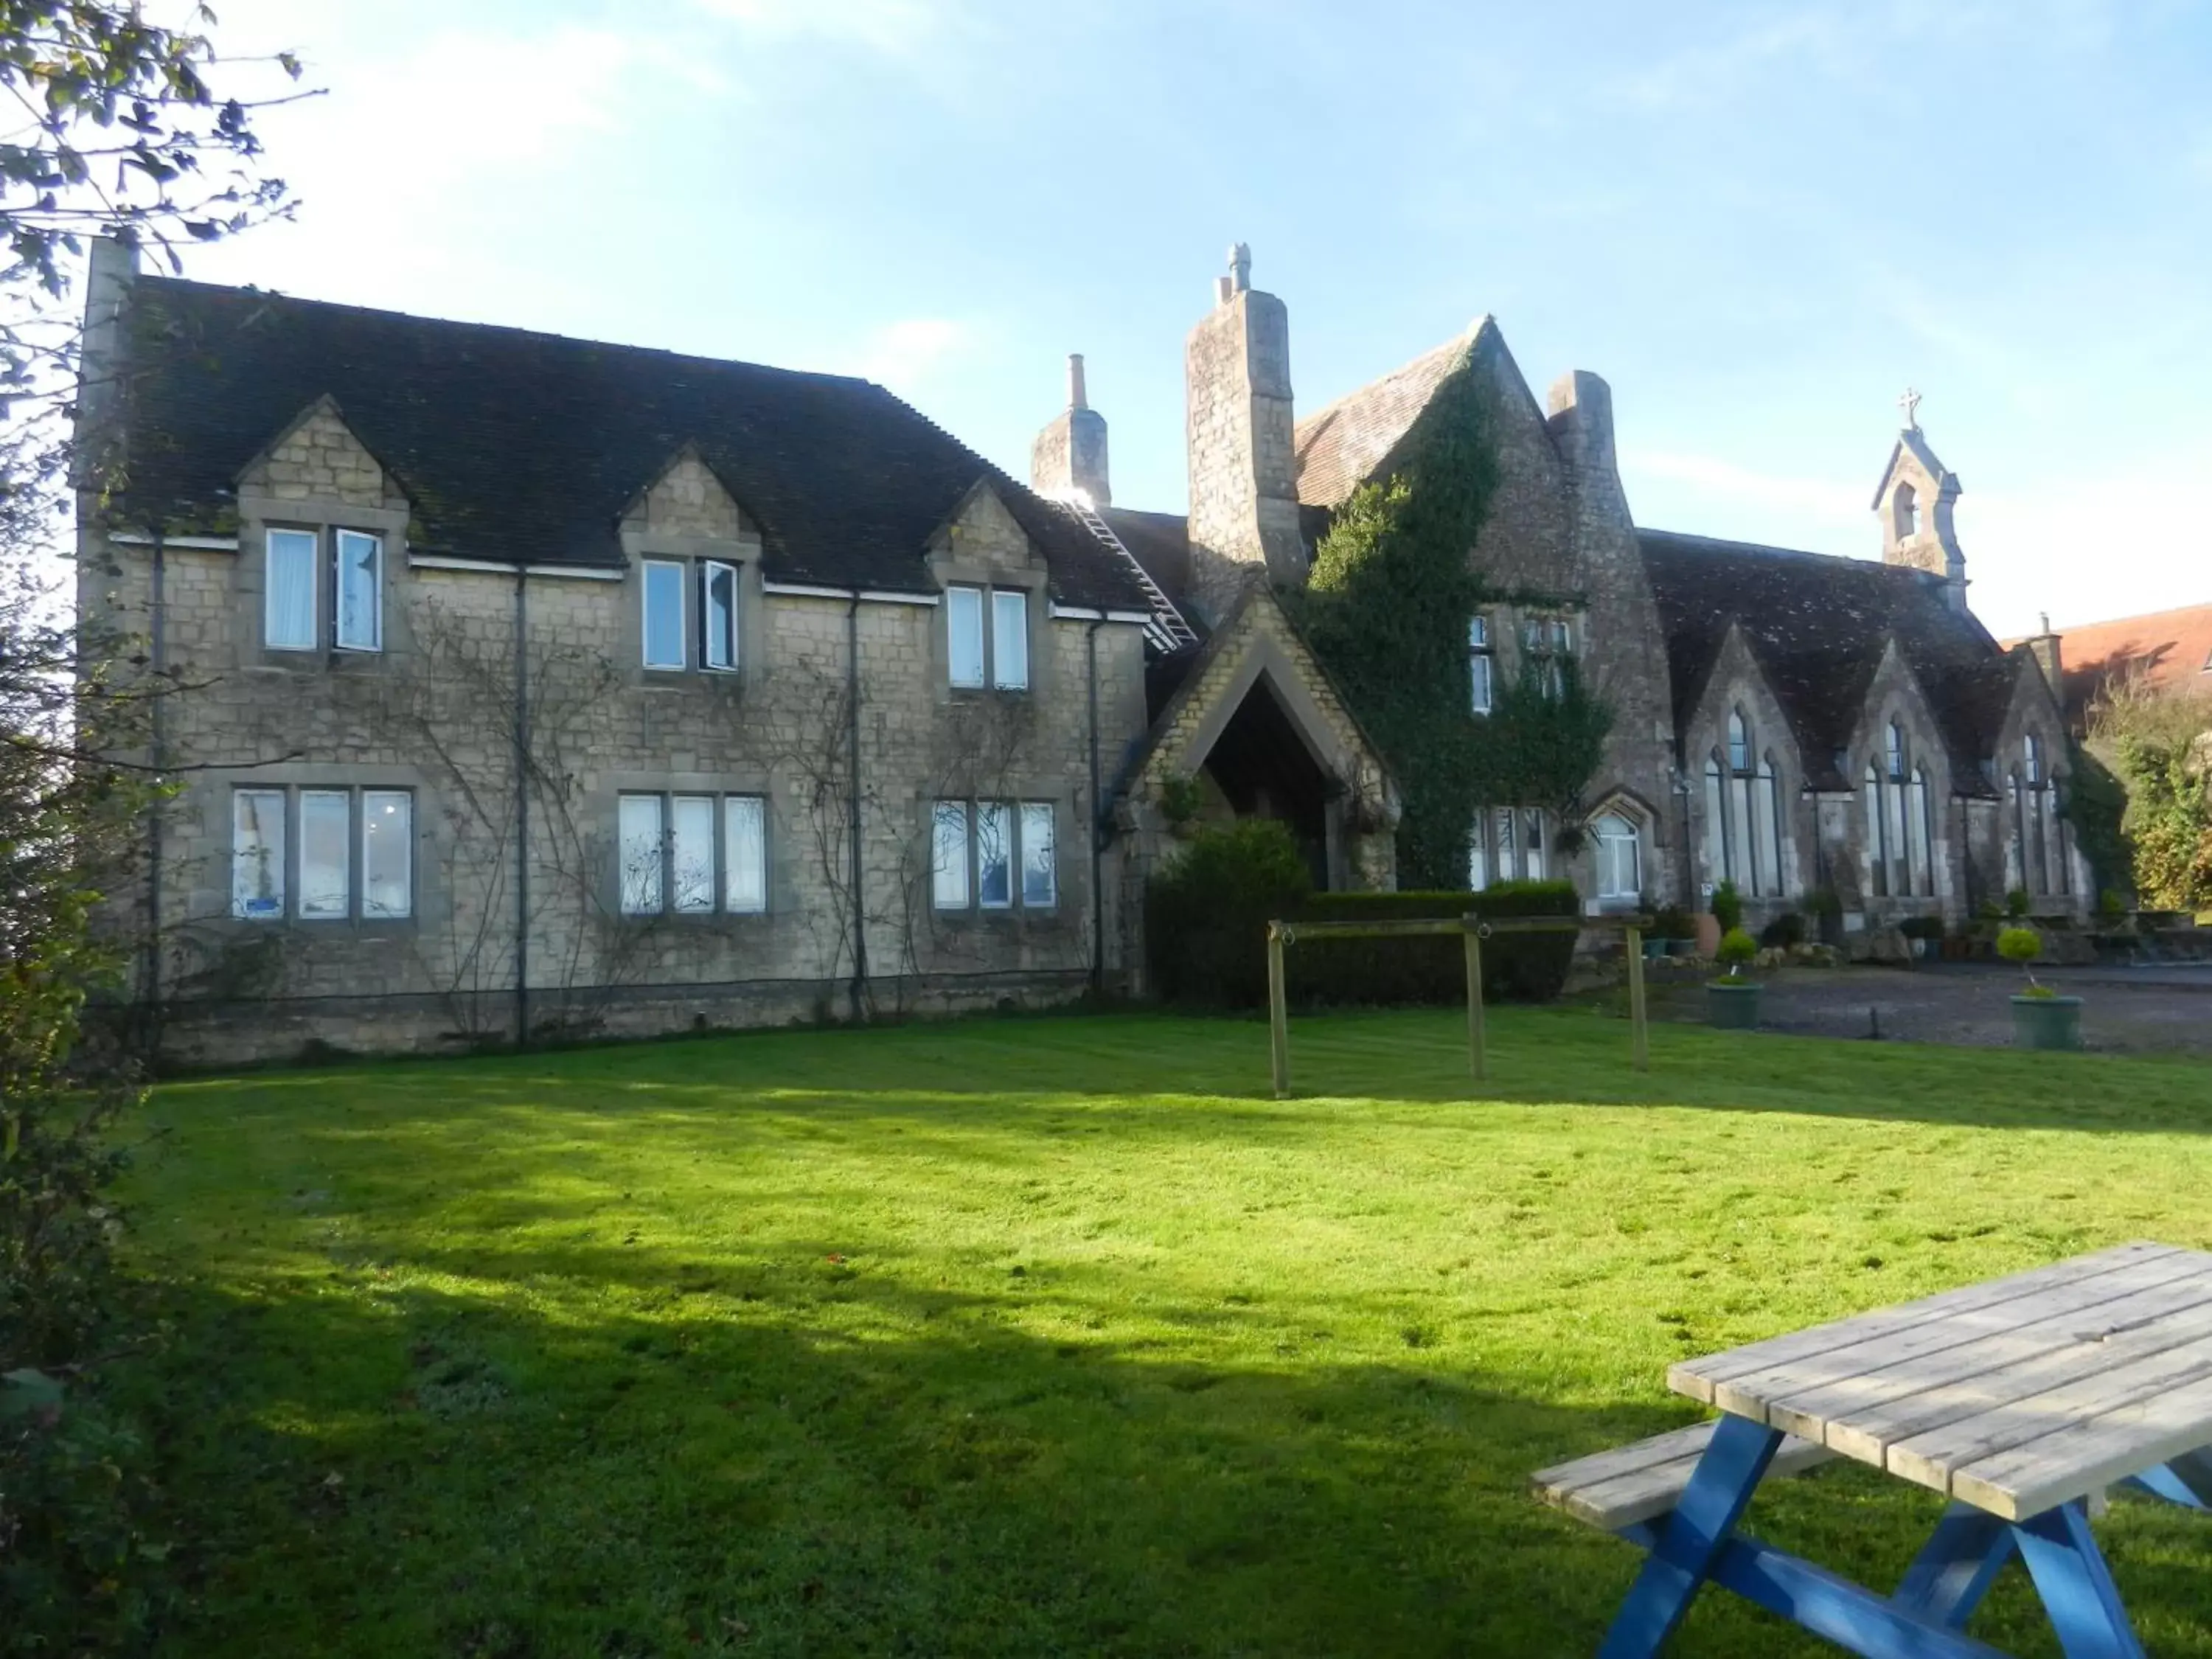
(1516, 967)
(1206, 918)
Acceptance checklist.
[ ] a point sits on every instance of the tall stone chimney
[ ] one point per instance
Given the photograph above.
(1580, 411)
(1069, 456)
(1243, 472)
(2045, 646)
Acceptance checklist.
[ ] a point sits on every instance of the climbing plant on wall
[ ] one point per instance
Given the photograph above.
(1387, 607)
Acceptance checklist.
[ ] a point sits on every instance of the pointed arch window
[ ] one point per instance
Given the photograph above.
(1895, 751)
(2032, 752)
(1876, 852)
(1620, 857)
(1906, 505)
(1716, 858)
(1920, 835)
(1767, 827)
(1739, 742)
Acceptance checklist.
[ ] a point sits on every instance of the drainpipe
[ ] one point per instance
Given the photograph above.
(1097, 816)
(521, 808)
(859, 986)
(158, 653)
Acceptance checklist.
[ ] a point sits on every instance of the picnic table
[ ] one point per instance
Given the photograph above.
(2022, 1399)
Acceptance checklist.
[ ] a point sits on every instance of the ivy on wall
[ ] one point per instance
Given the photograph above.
(1386, 608)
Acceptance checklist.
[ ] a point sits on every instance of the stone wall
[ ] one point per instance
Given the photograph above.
(435, 713)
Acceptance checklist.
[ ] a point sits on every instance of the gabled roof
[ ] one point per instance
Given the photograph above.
(2168, 650)
(1818, 626)
(1342, 447)
(521, 447)
(1914, 442)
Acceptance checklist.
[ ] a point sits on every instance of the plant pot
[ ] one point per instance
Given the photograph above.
(1732, 1006)
(1654, 949)
(2046, 1022)
(1709, 934)
(1681, 947)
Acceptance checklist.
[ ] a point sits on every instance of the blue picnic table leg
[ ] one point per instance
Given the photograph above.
(2077, 1587)
(2186, 1480)
(1691, 1537)
(1949, 1578)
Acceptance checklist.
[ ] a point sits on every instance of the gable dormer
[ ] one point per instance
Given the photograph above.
(1914, 504)
(317, 458)
(688, 500)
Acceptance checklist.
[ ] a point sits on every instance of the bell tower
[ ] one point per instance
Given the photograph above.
(1913, 503)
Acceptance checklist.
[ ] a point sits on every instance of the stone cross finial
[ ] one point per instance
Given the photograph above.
(1240, 267)
(1910, 403)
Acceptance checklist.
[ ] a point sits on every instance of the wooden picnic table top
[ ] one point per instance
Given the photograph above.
(2013, 1395)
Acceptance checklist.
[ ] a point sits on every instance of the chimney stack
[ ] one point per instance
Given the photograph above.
(2045, 646)
(1243, 468)
(1068, 458)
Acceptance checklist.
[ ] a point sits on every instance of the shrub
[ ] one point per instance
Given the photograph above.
(2016, 903)
(1207, 913)
(1927, 927)
(1826, 902)
(1736, 948)
(1672, 921)
(2111, 904)
(1785, 930)
(1727, 906)
(1516, 967)
(2023, 945)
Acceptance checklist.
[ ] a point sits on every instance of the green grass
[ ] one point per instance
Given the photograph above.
(1056, 1336)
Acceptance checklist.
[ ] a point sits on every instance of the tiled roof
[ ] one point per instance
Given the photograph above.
(1818, 626)
(1160, 542)
(2170, 650)
(1342, 446)
(521, 447)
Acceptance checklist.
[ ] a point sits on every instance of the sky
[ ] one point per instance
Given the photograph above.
(1760, 222)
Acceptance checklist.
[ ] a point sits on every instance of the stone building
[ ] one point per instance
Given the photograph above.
(1789, 722)
(536, 684)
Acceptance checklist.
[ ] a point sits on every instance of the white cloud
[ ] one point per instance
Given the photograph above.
(896, 28)
(906, 355)
(1823, 501)
(1699, 74)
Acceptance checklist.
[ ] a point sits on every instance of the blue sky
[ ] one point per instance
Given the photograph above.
(1758, 221)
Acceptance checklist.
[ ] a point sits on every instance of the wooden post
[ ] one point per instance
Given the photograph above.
(1278, 1022)
(1477, 1061)
(1639, 1039)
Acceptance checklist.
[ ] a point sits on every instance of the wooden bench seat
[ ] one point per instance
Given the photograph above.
(1628, 1484)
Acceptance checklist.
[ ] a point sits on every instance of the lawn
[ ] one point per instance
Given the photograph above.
(1057, 1336)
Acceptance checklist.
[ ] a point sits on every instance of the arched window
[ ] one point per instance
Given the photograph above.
(1920, 835)
(1906, 505)
(1896, 751)
(1620, 857)
(1877, 853)
(2015, 833)
(1717, 861)
(1766, 826)
(2033, 752)
(1739, 747)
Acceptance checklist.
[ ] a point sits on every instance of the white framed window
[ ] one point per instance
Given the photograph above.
(964, 634)
(1535, 848)
(256, 854)
(1477, 853)
(662, 603)
(744, 854)
(718, 615)
(994, 854)
(288, 609)
(1503, 844)
(325, 845)
(1619, 857)
(355, 857)
(1040, 855)
(639, 848)
(691, 853)
(1479, 664)
(948, 855)
(387, 854)
(358, 557)
(1010, 639)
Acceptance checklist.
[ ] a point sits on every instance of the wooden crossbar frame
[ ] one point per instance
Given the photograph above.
(1473, 929)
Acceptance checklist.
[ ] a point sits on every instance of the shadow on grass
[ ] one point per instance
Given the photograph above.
(408, 1472)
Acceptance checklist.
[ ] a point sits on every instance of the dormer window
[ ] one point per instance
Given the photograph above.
(295, 613)
(997, 655)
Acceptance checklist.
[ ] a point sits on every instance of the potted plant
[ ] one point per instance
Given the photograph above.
(2041, 1019)
(1922, 931)
(1732, 1001)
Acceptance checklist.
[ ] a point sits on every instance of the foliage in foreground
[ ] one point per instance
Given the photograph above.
(1059, 1336)
(2160, 747)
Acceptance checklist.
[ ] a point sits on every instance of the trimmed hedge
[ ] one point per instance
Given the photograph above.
(1206, 915)
(1516, 967)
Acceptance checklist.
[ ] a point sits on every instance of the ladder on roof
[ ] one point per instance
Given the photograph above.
(1166, 629)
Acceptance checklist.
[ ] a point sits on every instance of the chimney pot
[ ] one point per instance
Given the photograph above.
(1076, 399)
